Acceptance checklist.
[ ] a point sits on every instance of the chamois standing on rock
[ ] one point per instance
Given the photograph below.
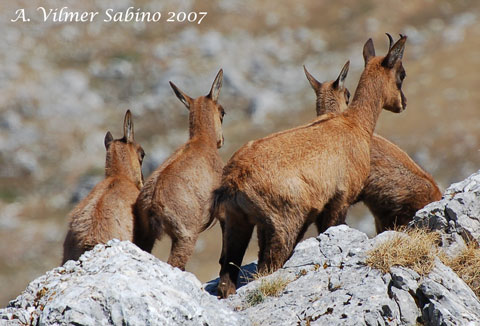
(396, 187)
(177, 197)
(283, 182)
(107, 212)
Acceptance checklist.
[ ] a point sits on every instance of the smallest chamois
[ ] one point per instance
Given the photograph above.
(106, 213)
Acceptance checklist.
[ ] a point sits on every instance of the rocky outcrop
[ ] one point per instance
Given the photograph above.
(117, 284)
(330, 284)
(325, 282)
(456, 216)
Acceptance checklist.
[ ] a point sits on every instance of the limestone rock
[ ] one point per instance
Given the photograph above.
(330, 284)
(117, 284)
(457, 215)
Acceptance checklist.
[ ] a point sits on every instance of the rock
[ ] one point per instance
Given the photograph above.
(329, 283)
(456, 216)
(118, 284)
(446, 301)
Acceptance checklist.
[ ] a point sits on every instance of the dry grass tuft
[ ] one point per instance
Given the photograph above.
(271, 287)
(412, 248)
(467, 266)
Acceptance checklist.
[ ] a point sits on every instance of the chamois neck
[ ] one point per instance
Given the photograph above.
(367, 102)
(201, 124)
(327, 105)
(119, 164)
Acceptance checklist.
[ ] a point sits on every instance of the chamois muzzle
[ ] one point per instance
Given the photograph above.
(220, 142)
(404, 101)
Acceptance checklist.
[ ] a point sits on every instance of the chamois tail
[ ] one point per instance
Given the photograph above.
(217, 211)
(144, 233)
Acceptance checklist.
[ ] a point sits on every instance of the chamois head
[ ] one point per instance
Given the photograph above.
(390, 70)
(124, 155)
(332, 96)
(206, 114)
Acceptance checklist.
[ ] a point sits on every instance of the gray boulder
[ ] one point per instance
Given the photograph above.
(456, 216)
(117, 284)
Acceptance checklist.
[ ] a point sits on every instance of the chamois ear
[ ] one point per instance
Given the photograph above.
(368, 51)
(216, 86)
(108, 139)
(341, 78)
(187, 100)
(313, 82)
(128, 133)
(395, 53)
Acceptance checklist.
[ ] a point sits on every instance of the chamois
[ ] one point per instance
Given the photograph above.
(177, 197)
(106, 212)
(396, 187)
(283, 182)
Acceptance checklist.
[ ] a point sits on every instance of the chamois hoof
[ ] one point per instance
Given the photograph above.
(225, 289)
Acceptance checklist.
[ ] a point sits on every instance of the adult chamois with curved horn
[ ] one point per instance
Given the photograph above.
(396, 187)
(107, 212)
(283, 182)
(177, 197)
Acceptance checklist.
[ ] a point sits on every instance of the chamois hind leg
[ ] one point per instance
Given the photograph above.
(279, 242)
(262, 240)
(182, 248)
(238, 231)
(71, 248)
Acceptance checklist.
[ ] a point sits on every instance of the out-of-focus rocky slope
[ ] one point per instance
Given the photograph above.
(62, 86)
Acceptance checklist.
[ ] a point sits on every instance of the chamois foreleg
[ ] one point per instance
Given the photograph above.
(390, 220)
(222, 255)
(333, 219)
(379, 227)
(334, 213)
(302, 232)
(237, 234)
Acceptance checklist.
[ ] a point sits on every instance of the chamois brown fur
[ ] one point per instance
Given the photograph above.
(106, 213)
(396, 187)
(283, 182)
(177, 197)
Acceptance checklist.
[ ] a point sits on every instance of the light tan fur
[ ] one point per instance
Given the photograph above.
(177, 197)
(282, 183)
(106, 213)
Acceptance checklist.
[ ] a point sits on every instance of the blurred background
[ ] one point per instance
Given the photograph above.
(64, 85)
